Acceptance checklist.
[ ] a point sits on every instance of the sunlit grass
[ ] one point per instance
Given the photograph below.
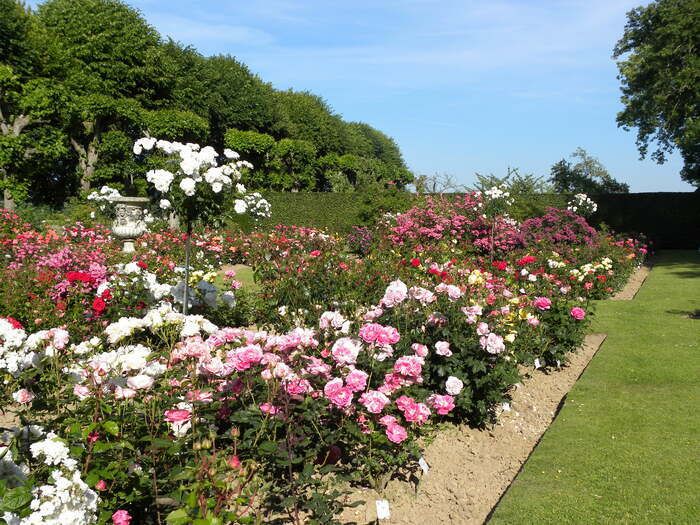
(625, 447)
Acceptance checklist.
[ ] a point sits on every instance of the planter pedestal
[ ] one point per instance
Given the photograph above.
(129, 220)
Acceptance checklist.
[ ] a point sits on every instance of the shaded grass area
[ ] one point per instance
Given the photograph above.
(625, 447)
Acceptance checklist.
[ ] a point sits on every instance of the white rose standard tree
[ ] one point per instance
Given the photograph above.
(198, 185)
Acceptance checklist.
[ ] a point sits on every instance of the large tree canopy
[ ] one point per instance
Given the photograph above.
(659, 67)
(80, 80)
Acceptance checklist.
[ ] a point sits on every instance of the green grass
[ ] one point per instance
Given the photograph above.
(625, 447)
(244, 274)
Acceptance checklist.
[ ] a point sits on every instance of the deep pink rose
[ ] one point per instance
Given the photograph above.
(542, 303)
(578, 313)
(121, 517)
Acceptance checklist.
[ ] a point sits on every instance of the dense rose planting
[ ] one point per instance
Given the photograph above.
(130, 412)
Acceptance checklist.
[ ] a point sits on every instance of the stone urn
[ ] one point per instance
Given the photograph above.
(129, 220)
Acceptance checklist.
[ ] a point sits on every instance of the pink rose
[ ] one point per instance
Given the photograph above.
(269, 409)
(81, 391)
(374, 401)
(23, 396)
(124, 393)
(410, 366)
(121, 517)
(443, 405)
(578, 313)
(533, 321)
(419, 349)
(388, 336)
(177, 415)
(387, 420)
(101, 485)
(370, 332)
(356, 380)
(482, 329)
(542, 303)
(396, 293)
(492, 343)
(199, 395)
(443, 348)
(345, 351)
(396, 433)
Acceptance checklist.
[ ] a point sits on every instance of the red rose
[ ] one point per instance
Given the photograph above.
(415, 262)
(15, 323)
(315, 253)
(142, 265)
(98, 305)
(500, 265)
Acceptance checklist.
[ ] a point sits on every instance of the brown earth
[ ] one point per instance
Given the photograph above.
(469, 468)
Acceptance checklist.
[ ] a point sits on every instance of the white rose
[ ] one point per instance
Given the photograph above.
(140, 382)
(164, 204)
(216, 187)
(453, 385)
(187, 186)
(240, 206)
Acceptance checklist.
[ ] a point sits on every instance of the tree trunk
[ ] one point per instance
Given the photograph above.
(8, 202)
(87, 158)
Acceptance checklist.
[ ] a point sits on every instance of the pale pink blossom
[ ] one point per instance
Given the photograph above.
(374, 401)
(443, 348)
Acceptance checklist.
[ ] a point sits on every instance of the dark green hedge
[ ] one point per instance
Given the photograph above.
(671, 220)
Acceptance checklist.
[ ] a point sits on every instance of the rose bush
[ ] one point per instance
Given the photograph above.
(349, 353)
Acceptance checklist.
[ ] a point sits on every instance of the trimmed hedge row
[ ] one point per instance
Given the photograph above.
(671, 220)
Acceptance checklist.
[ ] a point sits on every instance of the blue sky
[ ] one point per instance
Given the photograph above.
(463, 86)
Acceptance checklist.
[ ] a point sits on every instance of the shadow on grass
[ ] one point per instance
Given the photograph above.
(682, 263)
(693, 314)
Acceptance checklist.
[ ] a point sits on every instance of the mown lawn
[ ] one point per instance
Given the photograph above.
(625, 447)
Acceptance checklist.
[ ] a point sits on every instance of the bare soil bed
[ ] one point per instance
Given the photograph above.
(470, 469)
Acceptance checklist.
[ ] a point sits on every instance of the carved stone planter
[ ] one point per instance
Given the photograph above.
(129, 220)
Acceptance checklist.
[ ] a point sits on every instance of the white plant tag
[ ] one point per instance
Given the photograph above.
(423, 465)
(506, 407)
(537, 363)
(383, 512)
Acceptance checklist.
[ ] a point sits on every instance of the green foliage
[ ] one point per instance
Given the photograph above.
(114, 50)
(308, 117)
(95, 76)
(659, 66)
(253, 146)
(291, 165)
(588, 176)
(174, 124)
(531, 194)
(236, 99)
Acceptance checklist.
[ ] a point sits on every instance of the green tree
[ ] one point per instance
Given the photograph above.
(252, 146)
(116, 67)
(659, 68)
(308, 117)
(587, 175)
(237, 99)
(292, 165)
(30, 104)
